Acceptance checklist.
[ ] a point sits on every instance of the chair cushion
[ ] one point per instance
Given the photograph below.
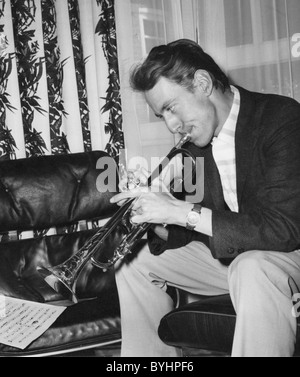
(88, 323)
(206, 324)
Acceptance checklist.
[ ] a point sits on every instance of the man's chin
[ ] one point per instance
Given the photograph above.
(200, 143)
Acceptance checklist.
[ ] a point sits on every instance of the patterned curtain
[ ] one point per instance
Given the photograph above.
(107, 28)
(59, 83)
(59, 78)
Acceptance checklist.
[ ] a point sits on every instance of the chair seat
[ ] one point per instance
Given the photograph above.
(88, 324)
(206, 324)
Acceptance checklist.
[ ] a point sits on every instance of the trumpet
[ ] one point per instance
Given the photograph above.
(63, 277)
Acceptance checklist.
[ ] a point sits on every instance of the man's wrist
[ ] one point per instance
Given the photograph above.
(182, 211)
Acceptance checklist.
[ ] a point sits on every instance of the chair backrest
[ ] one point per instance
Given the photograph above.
(47, 191)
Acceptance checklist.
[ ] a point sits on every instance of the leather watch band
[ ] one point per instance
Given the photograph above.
(197, 208)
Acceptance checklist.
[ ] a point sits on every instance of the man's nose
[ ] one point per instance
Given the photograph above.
(173, 124)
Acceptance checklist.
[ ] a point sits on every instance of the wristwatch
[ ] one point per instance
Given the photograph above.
(193, 217)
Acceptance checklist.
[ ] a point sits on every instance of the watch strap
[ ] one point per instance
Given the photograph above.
(197, 208)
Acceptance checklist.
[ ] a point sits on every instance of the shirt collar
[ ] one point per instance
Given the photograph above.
(227, 133)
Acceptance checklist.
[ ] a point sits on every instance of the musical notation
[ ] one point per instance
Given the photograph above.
(21, 321)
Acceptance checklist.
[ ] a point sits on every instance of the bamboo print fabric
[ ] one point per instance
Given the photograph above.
(59, 85)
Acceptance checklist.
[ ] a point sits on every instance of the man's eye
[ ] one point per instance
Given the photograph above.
(171, 109)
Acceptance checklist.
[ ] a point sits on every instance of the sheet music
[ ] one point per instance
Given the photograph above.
(21, 321)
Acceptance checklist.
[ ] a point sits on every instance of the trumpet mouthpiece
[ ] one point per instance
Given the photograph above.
(185, 138)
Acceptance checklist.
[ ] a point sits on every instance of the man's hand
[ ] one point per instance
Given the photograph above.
(154, 204)
(154, 207)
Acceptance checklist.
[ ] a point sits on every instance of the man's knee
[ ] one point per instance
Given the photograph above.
(259, 269)
(249, 265)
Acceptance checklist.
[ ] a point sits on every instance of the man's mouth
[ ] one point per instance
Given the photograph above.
(187, 131)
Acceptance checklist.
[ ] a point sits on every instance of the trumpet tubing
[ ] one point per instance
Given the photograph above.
(63, 277)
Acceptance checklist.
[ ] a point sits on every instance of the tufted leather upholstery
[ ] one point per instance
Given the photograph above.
(58, 192)
(51, 190)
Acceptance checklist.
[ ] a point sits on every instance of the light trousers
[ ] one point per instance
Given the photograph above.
(261, 285)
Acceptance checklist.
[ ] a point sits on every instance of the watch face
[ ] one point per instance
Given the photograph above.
(193, 218)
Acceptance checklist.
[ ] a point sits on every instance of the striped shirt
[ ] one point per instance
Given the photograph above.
(223, 148)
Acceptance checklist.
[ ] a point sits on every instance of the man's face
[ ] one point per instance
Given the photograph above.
(184, 111)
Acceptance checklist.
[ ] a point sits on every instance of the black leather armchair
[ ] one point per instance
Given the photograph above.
(57, 193)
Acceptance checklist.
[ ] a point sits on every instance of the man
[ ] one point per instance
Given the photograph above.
(246, 236)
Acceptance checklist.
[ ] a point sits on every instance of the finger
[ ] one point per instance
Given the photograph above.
(121, 202)
(136, 205)
(135, 212)
(123, 196)
(138, 219)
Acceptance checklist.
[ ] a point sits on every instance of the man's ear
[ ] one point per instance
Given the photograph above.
(203, 81)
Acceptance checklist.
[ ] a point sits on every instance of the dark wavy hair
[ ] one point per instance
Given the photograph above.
(177, 61)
